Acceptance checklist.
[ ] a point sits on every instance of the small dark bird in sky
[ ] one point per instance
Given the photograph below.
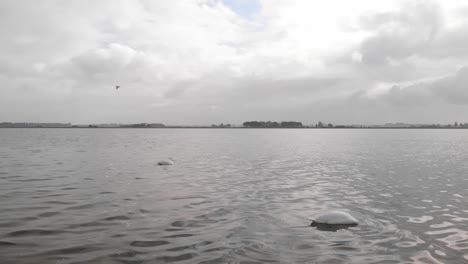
(117, 87)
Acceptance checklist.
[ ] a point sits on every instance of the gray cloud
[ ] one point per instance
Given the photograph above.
(184, 62)
(407, 45)
(416, 95)
(400, 35)
(452, 43)
(445, 93)
(454, 88)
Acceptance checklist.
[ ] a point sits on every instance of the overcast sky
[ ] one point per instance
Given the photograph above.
(212, 61)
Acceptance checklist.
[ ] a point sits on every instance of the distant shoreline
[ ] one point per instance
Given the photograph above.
(245, 125)
(208, 127)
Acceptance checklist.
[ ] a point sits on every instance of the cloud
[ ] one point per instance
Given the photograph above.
(398, 35)
(418, 41)
(114, 57)
(444, 91)
(271, 59)
(415, 95)
(451, 43)
(453, 88)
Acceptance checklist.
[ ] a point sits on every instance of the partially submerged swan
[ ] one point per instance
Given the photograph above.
(335, 218)
(166, 162)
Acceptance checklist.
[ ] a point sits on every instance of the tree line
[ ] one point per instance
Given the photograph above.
(270, 124)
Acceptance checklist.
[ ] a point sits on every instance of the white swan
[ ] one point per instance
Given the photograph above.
(166, 162)
(335, 218)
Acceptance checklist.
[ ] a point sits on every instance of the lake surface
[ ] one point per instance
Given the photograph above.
(232, 196)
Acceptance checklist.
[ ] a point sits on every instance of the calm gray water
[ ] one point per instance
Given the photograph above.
(233, 196)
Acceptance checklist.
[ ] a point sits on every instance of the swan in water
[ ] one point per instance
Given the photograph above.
(334, 218)
(166, 162)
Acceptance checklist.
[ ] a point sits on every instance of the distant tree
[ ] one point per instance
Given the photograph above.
(291, 124)
(247, 124)
(270, 124)
(252, 124)
(156, 125)
(330, 125)
(455, 124)
(320, 124)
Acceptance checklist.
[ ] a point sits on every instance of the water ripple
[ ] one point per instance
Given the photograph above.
(234, 196)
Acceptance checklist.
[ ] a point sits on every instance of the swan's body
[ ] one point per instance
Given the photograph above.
(166, 162)
(335, 218)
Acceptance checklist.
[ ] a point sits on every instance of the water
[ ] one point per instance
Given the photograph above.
(233, 196)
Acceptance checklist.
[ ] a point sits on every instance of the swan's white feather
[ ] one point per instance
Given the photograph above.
(165, 162)
(335, 218)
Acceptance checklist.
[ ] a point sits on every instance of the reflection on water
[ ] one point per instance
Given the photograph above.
(232, 196)
(332, 228)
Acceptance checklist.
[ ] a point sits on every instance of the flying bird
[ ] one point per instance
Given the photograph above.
(117, 87)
